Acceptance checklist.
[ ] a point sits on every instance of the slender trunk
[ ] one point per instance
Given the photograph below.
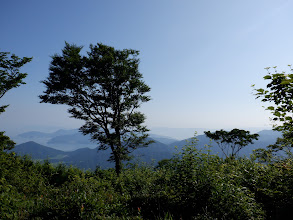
(118, 153)
(118, 164)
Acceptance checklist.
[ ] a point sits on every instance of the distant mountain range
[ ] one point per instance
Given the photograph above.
(184, 133)
(79, 151)
(266, 137)
(87, 158)
(69, 140)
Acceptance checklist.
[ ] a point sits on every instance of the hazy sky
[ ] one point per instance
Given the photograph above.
(200, 57)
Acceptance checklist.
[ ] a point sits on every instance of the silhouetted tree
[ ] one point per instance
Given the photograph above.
(104, 89)
(10, 77)
(231, 142)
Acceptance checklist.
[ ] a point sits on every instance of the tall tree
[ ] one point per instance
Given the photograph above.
(231, 142)
(10, 77)
(279, 92)
(104, 88)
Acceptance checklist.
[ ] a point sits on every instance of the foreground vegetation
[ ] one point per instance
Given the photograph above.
(192, 185)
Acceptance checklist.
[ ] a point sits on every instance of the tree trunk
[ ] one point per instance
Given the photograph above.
(118, 164)
(118, 153)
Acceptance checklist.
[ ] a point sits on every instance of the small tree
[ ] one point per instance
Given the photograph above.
(279, 91)
(231, 142)
(10, 77)
(104, 89)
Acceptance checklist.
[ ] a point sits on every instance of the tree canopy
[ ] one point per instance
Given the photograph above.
(10, 77)
(104, 89)
(279, 92)
(231, 142)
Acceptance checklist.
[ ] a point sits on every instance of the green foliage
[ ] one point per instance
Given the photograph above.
(264, 155)
(279, 92)
(19, 182)
(192, 185)
(5, 142)
(10, 77)
(104, 89)
(231, 142)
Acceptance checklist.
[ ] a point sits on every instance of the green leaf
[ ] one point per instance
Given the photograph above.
(278, 114)
(267, 77)
(270, 108)
(285, 82)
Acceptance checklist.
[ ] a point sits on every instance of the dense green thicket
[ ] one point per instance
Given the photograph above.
(191, 185)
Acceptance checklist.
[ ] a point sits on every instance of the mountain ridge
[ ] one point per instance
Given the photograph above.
(89, 158)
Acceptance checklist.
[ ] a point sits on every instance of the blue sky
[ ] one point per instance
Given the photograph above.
(199, 57)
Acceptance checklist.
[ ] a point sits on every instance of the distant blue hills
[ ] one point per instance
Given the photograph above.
(86, 158)
(69, 140)
(72, 148)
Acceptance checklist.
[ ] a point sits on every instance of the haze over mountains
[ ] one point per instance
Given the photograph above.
(68, 140)
(157, 132)
(72, 148)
